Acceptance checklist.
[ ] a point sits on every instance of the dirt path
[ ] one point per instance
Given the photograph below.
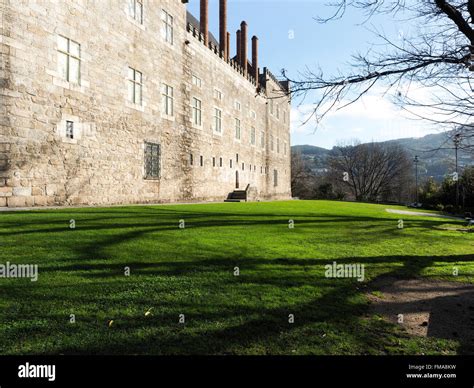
(428, 308)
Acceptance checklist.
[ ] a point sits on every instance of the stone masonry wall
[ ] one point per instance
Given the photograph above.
(104, 163)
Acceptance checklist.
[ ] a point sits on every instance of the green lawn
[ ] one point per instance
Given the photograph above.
(190, 271)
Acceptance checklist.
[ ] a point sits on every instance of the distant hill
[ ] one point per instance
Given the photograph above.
(435, 152)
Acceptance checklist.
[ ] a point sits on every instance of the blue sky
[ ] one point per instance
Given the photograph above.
(290, 38)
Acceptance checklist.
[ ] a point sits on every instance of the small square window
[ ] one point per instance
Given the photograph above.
(69, 130)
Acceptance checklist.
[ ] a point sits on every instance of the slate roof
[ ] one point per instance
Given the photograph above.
(195, 22)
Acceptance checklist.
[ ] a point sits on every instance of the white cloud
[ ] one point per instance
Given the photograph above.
(373, 117)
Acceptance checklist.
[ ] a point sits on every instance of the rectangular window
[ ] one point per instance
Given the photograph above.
(220, 162)
(237, 106)
(69, 130)
(197, 81)
(237, 129)
(167, 99)
(284, 117)
(271, 106)
(230, 163)
(69, 59)
(271, 143)
(285, 148)
(277, 111)
(167, 31)
(243, 166)
(253, 115)
(237, 158)
(201, 160)
(252, 136)
(217, 94)
(135, 10)
(135, 86)
(191, 159)
(197, 112)
(217, 120)
(152, 160)
(275, 178)
(278, 145)
(262, 139)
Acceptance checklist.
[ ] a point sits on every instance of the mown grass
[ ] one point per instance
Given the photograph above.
(190, 271)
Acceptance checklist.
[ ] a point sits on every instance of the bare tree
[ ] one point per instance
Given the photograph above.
(438, 57)
(302, 178)
(371, 171)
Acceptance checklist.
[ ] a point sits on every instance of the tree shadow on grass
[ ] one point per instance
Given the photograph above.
(261, 326)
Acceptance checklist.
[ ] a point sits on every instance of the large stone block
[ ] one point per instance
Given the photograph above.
(16, 201)
(5, 191)
(22, 191)
(40, 200)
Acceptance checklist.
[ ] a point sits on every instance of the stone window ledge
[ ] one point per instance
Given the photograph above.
(131, 105)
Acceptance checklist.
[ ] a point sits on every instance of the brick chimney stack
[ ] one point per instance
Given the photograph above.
(243, 46)
(238, 48)
(223, 27)
(227, 46)
(204, 20)
(255, 58)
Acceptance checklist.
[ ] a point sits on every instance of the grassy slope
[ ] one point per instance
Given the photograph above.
(190, 271)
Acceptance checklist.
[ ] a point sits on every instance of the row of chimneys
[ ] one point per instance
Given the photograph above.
(224, 37)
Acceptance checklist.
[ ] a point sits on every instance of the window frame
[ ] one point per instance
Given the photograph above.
(217, 120)
(237, 129)
(167, 99)
(196, 81)
(69, 133)
(134, 83)
(68, 54)
(167, 31)
(196, 106)
(133, 6)
(151, 164)
(253, 136)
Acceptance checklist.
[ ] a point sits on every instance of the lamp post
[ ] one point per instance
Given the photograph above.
(416, 160)
(457, 141)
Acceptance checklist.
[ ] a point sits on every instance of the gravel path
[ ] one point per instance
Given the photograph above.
(410, 213)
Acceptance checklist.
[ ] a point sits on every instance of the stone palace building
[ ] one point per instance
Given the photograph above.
(135, 101)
